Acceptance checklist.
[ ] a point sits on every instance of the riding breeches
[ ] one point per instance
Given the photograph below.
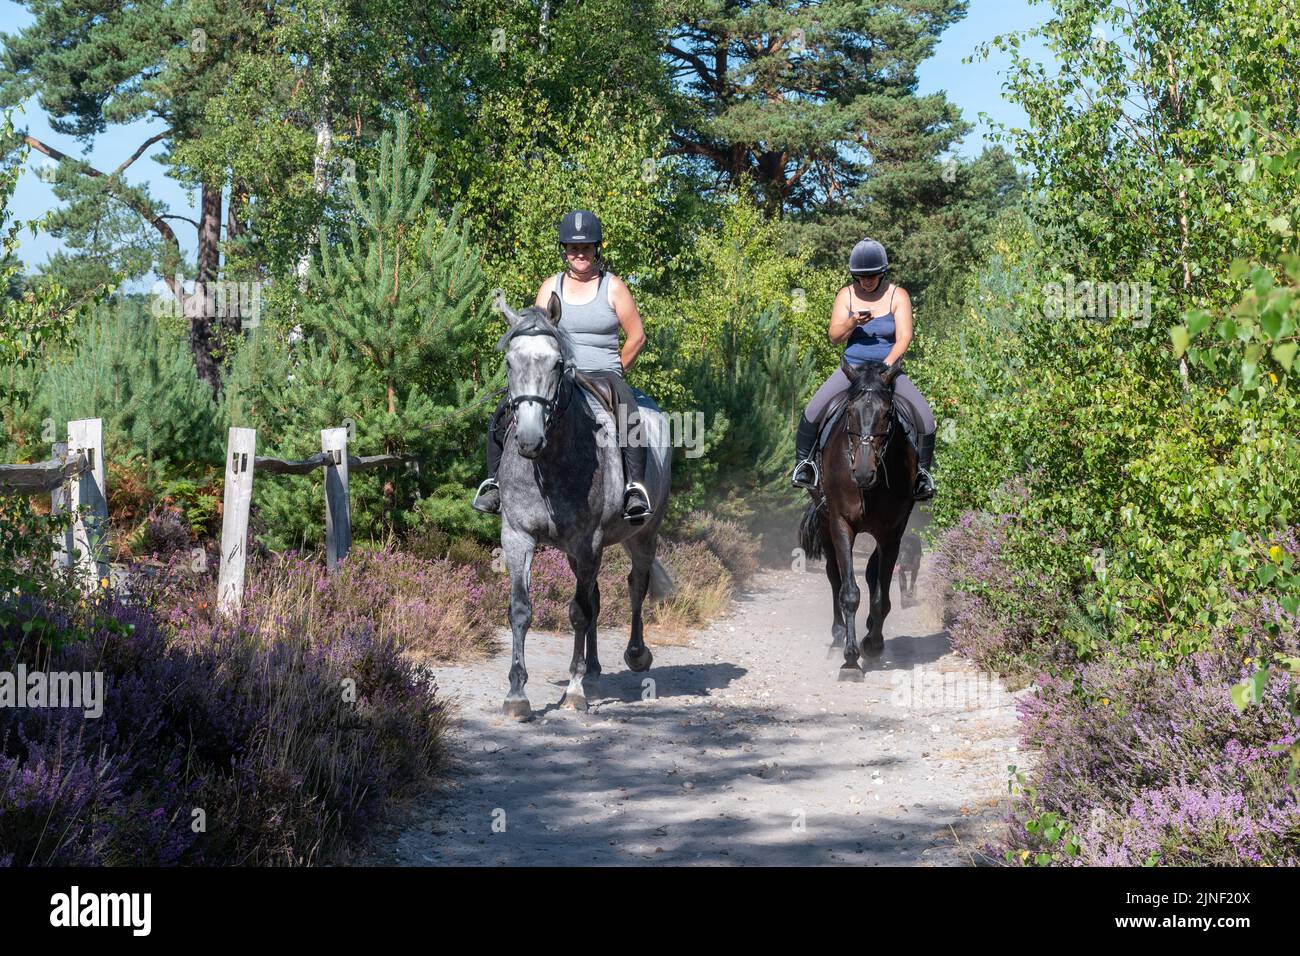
(903, 389)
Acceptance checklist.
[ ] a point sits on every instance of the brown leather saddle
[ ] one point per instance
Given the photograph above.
(602, 388)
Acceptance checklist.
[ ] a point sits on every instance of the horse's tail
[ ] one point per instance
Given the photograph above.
(662, 585)
(810, 537)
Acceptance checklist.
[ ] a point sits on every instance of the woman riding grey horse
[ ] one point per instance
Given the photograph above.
(875, 317)
(601, 305)
(562, 487)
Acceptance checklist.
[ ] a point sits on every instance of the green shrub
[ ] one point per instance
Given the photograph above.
(1139, 492)
(140, 379)
(1148, 482)
(385, 346)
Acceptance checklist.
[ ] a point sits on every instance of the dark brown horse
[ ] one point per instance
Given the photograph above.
(868, 472)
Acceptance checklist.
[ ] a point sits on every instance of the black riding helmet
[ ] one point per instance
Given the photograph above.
(582, 225)
(868, 259)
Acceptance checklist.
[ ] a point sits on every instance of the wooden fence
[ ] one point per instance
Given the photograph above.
(242, 463)
(74, 478)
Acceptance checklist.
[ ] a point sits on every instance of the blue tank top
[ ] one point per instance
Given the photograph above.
(873, 341)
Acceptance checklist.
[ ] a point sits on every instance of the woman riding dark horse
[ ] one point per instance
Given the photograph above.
(871, 478)
(600, 306)
(870, 472)
(875, 316)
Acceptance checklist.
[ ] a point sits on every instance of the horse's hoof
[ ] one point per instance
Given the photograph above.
(872, 649)
(639, 663)
(850, 672)
(517, 709)
(574, 702)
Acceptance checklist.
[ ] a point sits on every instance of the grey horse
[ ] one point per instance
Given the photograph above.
(562, 485)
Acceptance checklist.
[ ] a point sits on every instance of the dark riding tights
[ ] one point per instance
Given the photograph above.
(634, 455)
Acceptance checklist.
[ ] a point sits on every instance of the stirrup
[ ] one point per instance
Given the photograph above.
(816, 478)
(925, 486)
(636, 517)
(481, 499)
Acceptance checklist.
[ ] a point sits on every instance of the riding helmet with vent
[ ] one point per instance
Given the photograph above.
(868, 259)
(580, 226)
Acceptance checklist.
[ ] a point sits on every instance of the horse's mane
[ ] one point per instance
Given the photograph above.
(868, 378)
(534, 321)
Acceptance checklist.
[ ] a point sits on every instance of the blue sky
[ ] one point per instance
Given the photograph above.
(974, 87)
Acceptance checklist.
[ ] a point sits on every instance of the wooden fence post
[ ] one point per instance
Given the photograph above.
(338, 518)
(59, 506)
(88, 494)
(241, 457)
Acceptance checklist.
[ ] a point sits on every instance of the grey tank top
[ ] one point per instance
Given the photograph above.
(593, 327)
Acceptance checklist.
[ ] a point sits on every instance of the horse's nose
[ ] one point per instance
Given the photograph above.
(531, 449)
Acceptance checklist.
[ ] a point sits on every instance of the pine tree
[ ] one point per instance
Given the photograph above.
(813, 109)
(387, 325)
(95, 64)
(253, 103)
(138, 377)
(805, 99)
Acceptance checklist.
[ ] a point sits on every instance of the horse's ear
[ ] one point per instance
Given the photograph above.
(890, 373)
(553, 308)
(499, 300)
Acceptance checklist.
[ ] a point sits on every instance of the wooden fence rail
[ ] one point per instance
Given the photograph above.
(305, 466)
(42, 476)
(243, 462)
(75, 480)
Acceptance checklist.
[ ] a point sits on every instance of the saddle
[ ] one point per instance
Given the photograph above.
(602, 388)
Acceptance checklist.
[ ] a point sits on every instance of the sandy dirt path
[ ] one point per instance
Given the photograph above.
(748, 752)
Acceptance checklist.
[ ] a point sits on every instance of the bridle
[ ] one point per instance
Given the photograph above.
(879, 441)
(563, 391)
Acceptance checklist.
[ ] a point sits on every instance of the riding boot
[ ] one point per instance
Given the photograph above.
(488, 497)
(805, 470)
(636, 499)
(925, 486)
